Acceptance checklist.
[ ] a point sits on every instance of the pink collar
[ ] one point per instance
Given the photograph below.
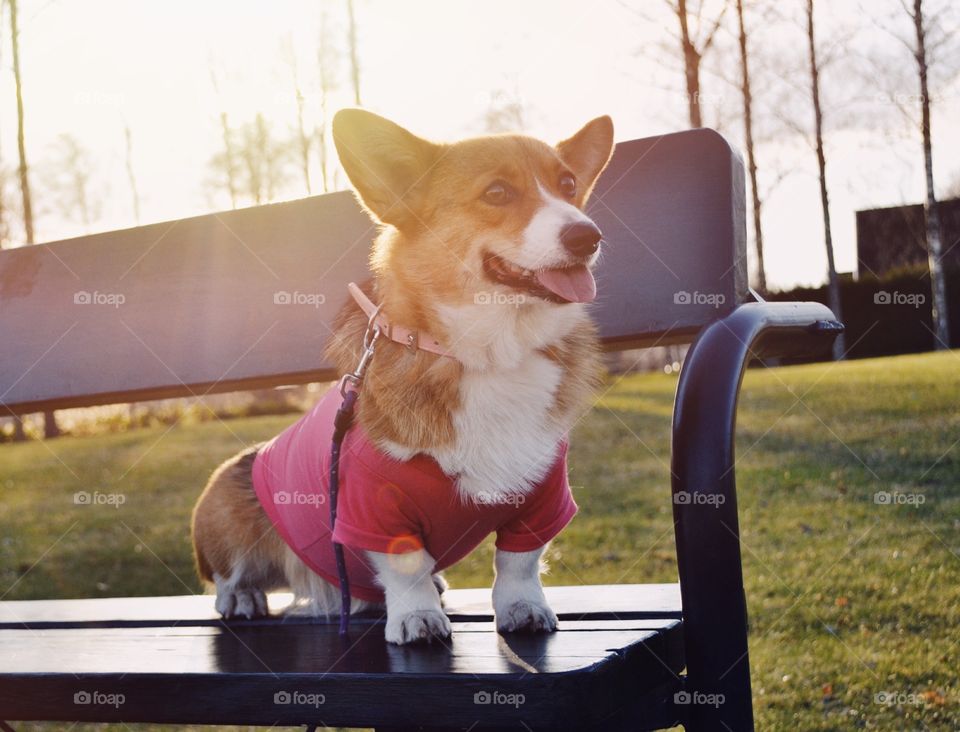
(412, 339)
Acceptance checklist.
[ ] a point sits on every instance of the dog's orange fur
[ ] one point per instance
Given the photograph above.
(428, 253)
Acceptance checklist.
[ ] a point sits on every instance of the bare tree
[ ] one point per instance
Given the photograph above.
(938, 284)
(261, 162)
(694, 45)
(304, 139)
(70, 176)
(131, 178)
(751, 153)
(228, 165)
(833, 283)
(326, 62)
(50, 428)
(354, 60)
(504, 112)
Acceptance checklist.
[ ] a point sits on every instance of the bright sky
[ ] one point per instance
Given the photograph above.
(92, 67)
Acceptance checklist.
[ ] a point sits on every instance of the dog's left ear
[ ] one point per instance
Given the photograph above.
(386, 164)
(588, 152)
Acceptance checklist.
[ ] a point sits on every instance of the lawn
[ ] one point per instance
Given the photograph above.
(854, 600)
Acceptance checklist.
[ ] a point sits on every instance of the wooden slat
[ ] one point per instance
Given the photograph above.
(198, 312)
(292, 649)
(568, 679)
(595, 603)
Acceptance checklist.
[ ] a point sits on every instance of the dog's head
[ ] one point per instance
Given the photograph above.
(501, 213)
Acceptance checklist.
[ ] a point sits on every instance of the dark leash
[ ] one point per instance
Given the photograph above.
(349, 390)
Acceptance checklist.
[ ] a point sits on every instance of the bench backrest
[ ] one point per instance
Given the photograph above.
(244, 299)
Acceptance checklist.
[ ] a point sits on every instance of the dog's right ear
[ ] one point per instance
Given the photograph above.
(386, 164)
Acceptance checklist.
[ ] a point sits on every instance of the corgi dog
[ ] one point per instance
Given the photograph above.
(484, 251)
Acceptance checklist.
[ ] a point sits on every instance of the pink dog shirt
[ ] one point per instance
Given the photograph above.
(389, 506)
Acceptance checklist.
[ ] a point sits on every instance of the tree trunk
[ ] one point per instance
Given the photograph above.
(326, 86)
(833, 284)
(938, 284)
(691, 67)
(751, 156)
(305, 141)
(131, 178)
(49, 418)
(228, 158)
(24, 178)
(354, 61)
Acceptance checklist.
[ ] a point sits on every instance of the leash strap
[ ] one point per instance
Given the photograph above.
(350, 390)
(341, 423)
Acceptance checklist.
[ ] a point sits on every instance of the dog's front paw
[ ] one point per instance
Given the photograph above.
(527, 616)
(418, 626)
(241, 603)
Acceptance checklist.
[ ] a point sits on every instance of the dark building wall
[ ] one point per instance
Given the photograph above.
(893, 238)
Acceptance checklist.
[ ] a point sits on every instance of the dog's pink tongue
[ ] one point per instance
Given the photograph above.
(573, 284)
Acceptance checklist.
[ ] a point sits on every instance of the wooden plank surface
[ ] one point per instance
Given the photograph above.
(594, 602)
(199, 305)
(306, 649)
(568, 680)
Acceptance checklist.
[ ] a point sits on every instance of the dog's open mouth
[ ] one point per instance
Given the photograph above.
(557, 284)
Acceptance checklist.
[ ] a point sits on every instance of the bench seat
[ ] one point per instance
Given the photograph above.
(175, 661)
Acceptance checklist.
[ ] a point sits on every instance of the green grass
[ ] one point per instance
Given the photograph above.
(848, 598)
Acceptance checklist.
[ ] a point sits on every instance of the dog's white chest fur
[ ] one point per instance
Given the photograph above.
(506, 441)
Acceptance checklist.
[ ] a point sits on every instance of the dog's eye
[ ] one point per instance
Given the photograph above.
(498, 193)
(568, 185)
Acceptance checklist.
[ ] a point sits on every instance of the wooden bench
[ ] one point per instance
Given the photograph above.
(203, 311)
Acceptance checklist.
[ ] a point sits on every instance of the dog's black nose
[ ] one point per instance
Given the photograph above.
(581, 239)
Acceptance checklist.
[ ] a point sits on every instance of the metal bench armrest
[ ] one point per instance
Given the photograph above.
(705, 501)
